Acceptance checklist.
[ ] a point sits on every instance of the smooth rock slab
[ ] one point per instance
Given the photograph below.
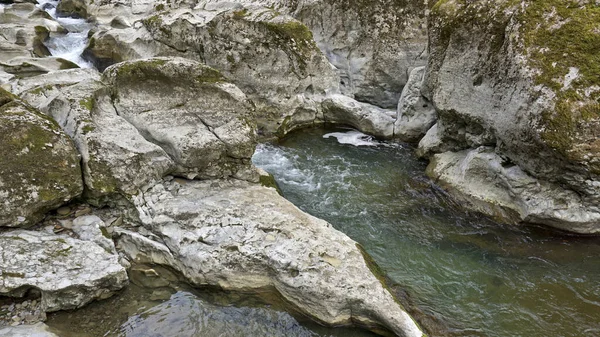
(68, 273)
(245, 237)
(487, 183)
(363, 116)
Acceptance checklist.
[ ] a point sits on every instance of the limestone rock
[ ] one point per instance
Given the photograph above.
(67, 273)
(28, 66)
(499, 188)
(415, 114)
(36, 330)
(271, 57)
(39, 166)
(117, 160)
(365, 117)
(245, 237)
(508, 74)
(190, 110)
(72, 8)
(372, 44)
(92, 228)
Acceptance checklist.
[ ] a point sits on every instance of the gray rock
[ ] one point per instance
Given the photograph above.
(39, 166)
(507, 75)
(117, 160)
(367, 118)
(373, 45)
(415, 114)
(271, 57)
(245, 237)
(190, 110)
(489, 184)
(68, 273)
(92, 228)
(36, 330)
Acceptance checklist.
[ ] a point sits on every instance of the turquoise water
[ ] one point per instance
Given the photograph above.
(481, 277)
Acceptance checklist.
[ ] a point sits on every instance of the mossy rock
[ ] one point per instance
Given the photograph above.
(39, 166)
(555, 44)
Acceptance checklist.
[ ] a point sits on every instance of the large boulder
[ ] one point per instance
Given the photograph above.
(67, 273)
(116, 159)
(245, 237)
(203, 122)
(271, 57)
(39, 166)
(511, 75)
(149, 118)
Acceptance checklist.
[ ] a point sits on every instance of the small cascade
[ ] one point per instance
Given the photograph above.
(69, 46)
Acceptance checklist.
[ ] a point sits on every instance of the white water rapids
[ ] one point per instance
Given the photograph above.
(68, 46)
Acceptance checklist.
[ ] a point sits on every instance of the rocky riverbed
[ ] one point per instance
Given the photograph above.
(128, 129)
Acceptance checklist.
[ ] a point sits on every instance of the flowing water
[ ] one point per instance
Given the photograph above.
(481, 277)
(68, 46)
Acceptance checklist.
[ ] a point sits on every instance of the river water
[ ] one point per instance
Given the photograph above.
(70, 45)
(481, 277)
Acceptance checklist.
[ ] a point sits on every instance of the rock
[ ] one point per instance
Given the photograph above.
(245, 237)
(36, 330)
(509, 75)
(67, 273)
(416, 115)
(72, 8)
(39, 166)
(431, 143)
(373, 45)
(92, 228)
(199, 119)
(367, 118)
(117, 160)
(499, 188)
(271, 57)
(28, 66)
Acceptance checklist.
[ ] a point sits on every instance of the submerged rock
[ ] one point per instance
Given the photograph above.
(39, 166)
(245, 237)
(36, 330)
(510, 74)
(66, 273)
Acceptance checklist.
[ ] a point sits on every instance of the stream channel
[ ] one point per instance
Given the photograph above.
(479, 277)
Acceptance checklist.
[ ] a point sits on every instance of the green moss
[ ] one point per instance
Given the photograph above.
(66, 64)
(104, 232)
(240, 14)
(159, 7)
(88, 128)
(554, 44)
(6, 97)
(154, 20)
(269, 181)
(210, 75)
(87, 103)
(11, 274)
(139, 67)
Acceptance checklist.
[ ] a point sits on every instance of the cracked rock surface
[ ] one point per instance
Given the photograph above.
(241, 236)
(67, 273)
